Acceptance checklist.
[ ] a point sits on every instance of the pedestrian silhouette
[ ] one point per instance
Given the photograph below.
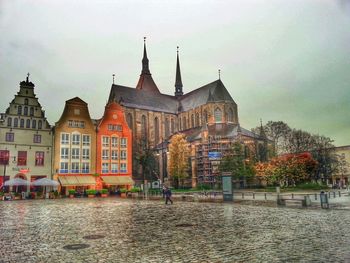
(168, 196)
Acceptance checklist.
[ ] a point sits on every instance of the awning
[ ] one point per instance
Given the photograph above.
(71, 180)
(117, 180)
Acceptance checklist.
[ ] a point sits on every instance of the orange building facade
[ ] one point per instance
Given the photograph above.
(114, 149)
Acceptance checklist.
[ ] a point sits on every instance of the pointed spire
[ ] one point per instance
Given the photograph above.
(219, 71)
(28, 77)
(262, 131)
(113, 78)
(145, 61)
(178, 81)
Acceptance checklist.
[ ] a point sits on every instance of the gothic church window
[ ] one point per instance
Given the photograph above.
(205, 117)
(184, 123)
(192, 121)
(15, 123)
(218, 115)
(129, 120)
(230, 115)
(31, 111)
(22, 123)
(197, 119)
(25, 111)
(166, 128)
(172, 126)
(28, 123)
(143, 127)
(25, 101)
(34, 124)
(9, 122)
(156, 130)
(40, 124)
(19, 110)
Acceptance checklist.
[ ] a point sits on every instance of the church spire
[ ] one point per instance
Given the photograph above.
(178, 81)
(145, 61)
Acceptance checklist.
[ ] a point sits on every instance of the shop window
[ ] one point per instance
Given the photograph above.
(22, 158)
(39, 158)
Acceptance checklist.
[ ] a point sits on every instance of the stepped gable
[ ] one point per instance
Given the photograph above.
(142, 99)
(212, 92)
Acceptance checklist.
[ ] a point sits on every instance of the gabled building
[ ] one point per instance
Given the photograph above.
(25, 137)
(75, 147)
(114, 149)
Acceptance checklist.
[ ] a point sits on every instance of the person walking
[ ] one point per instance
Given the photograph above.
(168, 196)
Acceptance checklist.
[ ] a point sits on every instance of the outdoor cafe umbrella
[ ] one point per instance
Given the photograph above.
(16, 182)
(45, 182)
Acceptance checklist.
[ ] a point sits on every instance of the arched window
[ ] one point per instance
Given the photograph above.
(9, 122)
(25, 111)
(156, 130)
(31, 111)
(25, 101)
(172, 126)
(197, 119)
(166, 124)
(28, 123)
(15, 122)
(34, 124)
(19, 110)
(180, 124)
(40, 124)
(22, 123)
(184, 123)
(218, 115)
(129, 120)
(230, 115)
(192, 121)
(143, 127)
(205, 117)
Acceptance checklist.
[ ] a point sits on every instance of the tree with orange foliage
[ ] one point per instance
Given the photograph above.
(288, 169)
(179, 158)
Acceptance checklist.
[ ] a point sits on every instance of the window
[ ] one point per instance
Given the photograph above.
(197, 119)
(123, 167)
(129, 120)
(105, 141)
(230, 115)
(143, 127)
(4, 157)
(123, 142)
(75, 153)
(180, 124)
(63, 167)
(39, 158)
(75, 167)
(166, 124)
(205, 117)
(28, 123)
(10, 136)
(114, 167)
(86, 154)
(25, 111)
(110, 127)
(105, 154)
(40, 125)
(218, 115)
(85, 168)
(15, 123)
(76, 111)
(75, 139)
(64, 138)
(172, 124)
(22, 158)
(76, 124)
(34, 124)
(184, 123)
(86, 140)
(31, 111)
(19, 110)
(9, 122)
(104, 167)
(64, 153)
(123, 155)
(192, 121)
(114, 155)
(21, 123)
(37, 138)
(25, 101)
(114, 141)
(156, 130)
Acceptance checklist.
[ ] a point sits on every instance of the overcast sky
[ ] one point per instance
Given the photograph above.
(280, 60)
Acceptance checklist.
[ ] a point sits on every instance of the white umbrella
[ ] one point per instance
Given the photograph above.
(16, 182)
(45, 182)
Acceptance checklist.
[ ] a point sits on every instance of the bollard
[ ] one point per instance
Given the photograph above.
(242, 195)
(265, 197)
(334, 194)
(253, 195)
(329, 194)
(339, 194)
(315, 196)
(292, 196)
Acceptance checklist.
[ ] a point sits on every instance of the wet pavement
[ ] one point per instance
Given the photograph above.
(124, 230)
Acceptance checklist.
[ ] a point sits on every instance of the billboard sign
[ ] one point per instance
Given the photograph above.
(214, 155)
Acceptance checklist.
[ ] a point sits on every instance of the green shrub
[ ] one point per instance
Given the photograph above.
(123, 190)
(56, 193)
(1, 193)
(135, 189)
(204, 187)
(70, 191)
(104, 191)
(311, 186)
(39, 194)
(91, 191)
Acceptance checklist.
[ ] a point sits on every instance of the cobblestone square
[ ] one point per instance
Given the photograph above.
(122, 230)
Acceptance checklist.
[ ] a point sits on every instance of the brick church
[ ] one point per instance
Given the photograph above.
(207, 115)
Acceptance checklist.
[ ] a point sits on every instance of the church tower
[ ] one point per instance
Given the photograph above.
(178, 81)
